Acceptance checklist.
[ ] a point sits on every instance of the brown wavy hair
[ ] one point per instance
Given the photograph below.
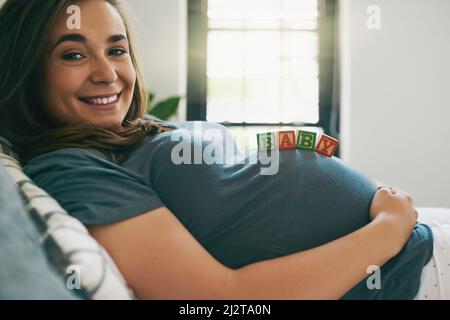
(24, 29)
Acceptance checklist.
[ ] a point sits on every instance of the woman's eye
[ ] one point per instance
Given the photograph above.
(117, 52)
(73, 56)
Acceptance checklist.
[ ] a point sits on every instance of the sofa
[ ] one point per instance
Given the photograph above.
(44, 252)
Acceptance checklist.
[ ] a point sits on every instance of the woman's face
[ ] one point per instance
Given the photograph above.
(88, 74)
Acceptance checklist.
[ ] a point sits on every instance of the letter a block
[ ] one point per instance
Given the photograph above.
(306, 140)
(286, 140)
(266, 141)
(327, 145)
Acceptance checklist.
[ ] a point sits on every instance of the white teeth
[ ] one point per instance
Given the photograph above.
(103, 100)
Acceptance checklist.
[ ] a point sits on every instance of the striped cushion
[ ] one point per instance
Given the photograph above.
(79, 258)
(7, 148)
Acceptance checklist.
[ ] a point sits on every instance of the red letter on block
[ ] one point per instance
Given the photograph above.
(327, 145)
(286, 140)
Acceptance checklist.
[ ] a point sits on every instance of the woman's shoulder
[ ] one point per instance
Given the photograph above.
(64, 158)
(70, 152)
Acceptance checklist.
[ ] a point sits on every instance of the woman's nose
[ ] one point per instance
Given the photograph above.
(103, 71)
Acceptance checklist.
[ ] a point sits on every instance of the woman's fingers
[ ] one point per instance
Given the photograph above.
(393, 189)
(380, 184)
(397, 191)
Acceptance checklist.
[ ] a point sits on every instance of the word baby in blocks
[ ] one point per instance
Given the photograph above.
(306, 140)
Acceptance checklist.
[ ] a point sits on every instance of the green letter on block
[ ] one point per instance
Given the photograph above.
(306, 140)
(266, 141)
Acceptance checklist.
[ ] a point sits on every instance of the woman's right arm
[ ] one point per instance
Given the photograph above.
(160, 259)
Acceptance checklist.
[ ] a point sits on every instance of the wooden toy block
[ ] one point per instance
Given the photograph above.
(327, 145)
(286, 140)
(266, 141)
(306, 140)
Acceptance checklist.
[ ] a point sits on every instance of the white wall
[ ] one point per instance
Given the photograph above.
(161, 34)
(395, 99)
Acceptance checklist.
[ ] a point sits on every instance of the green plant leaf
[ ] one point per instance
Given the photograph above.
(165, 109)
(151, 97)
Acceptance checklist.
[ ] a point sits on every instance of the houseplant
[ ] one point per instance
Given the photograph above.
(163, 109)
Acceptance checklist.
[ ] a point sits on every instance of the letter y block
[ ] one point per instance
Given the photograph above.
(327, 145)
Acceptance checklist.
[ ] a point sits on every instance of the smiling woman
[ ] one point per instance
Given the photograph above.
(215, 230)
(89, 76)
(70, 87)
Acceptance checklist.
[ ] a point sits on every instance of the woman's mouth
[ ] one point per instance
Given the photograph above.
(104, 100)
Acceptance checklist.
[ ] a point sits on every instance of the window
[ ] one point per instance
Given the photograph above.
(263, 62)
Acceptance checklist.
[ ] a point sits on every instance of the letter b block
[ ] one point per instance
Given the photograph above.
(266, 141)
(306, 140)
(327, 145)
(286, 140)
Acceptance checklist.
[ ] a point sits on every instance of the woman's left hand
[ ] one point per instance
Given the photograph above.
(380, 185)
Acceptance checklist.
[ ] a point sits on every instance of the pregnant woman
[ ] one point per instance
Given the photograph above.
(72, 103)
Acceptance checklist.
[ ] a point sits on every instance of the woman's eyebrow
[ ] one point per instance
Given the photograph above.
(69, 37)
(116, 38)
(80, 38)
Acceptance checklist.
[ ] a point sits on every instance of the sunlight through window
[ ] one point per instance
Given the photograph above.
(262, 61)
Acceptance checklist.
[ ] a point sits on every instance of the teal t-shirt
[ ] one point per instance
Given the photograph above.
(239, 214)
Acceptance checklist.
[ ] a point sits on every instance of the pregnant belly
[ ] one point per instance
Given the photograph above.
(312, 200)
(241, 216)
